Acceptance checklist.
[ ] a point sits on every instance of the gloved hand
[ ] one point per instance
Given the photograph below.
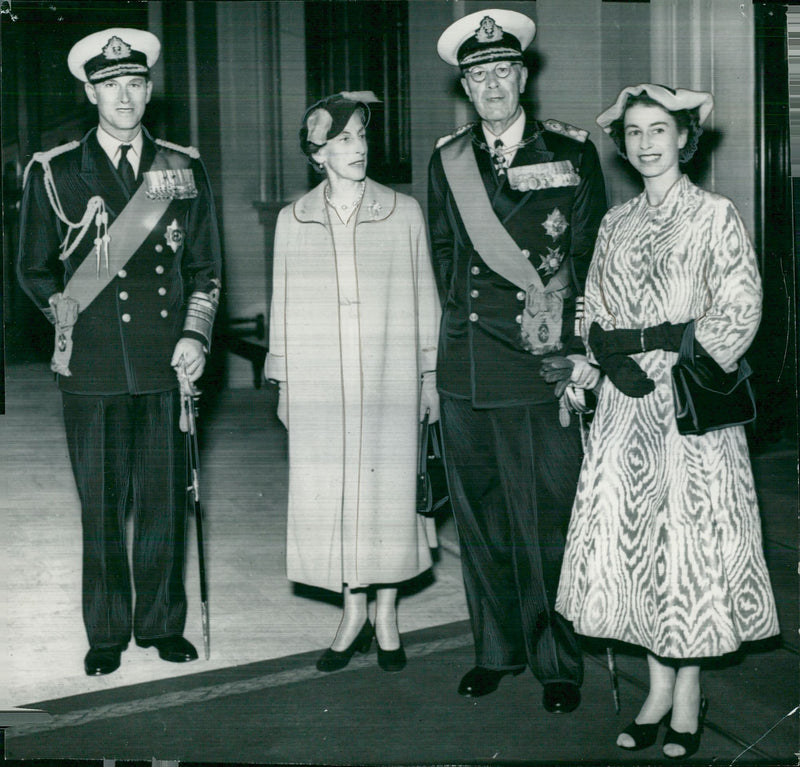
(557, 370)
(283, 406)
(606, 342)
(664, 336)
(630, 341)
(626, 375)
(429, 397)
(584, 374)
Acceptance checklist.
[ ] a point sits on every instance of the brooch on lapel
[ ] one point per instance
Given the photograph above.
(170, 184)
(174, 235)
(374, 209)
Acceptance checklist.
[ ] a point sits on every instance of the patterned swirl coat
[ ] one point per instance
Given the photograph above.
(664, 547)
(380, 537)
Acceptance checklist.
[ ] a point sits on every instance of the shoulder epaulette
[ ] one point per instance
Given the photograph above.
(45, 157)
(455, 134)
(565, 129)
(190, 150)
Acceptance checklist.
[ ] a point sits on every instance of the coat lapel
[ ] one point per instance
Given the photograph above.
(101, 177)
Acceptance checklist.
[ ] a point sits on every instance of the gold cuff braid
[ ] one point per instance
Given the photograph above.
(200, 313)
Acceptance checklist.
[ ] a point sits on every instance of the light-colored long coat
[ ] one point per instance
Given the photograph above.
(664, 548)
(398, 314)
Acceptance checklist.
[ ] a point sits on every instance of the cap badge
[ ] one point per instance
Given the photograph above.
(489, 31)
(116, 48)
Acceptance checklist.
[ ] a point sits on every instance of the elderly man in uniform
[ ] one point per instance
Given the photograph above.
(119, 248)
(514, 208)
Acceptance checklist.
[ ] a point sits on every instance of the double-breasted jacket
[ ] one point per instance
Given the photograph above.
(123, 341)
(550, 201)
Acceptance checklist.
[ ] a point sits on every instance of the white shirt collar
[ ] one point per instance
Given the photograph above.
(512, 135)
(111, 147)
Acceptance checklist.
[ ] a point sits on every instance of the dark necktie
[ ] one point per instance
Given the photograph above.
(499, 158)
(125, 168)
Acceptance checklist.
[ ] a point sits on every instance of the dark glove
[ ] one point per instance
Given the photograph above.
(664, 336)
(605, 342)
(557, 370)
(626, 375)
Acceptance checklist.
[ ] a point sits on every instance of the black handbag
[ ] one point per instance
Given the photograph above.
(706, 397)
(432, 492)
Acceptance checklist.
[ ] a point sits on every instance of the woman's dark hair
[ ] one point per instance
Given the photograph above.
(685, 119)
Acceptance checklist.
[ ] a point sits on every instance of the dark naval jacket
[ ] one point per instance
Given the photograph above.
(483, 355)
(123, 341)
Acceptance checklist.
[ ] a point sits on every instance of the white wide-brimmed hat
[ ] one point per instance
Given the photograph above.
(671, 99)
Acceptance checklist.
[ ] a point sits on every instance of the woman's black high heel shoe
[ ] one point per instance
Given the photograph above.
(391, 660)
(643, 735)
(689, 741)
(333, 660)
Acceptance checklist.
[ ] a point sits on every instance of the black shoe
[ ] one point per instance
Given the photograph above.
(561, 697)
(481, 681)
(391, 660)
(175, 649)
(333, 660)
(102, 660)
(643, 735)
(690, 741)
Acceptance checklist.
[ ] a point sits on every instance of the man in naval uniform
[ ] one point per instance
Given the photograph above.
(119, 248)
(514, 208)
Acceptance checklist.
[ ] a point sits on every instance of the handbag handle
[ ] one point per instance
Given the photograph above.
(686, 349)
(686, 353)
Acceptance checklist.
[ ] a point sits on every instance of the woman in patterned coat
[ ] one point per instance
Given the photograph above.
(664, 547)
(353, 336)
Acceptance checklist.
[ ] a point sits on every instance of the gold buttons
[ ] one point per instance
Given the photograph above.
(164, 312)
(159, 248)
(473, 317)
(123, 296)
(475, 270)
(518, 318)
(474, 293)
(122, 274)
(162, 291)
(126, 317)
(521, 295)
(159, 269)
(526, 252)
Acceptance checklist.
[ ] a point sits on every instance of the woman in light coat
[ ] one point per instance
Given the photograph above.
(353, 333)
(664, 547)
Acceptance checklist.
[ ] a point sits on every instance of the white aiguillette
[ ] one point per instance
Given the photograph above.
(170, 184)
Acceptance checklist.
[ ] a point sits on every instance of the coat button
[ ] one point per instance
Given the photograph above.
(521, 295)
(526, 252)
(474, 293)
(126, 317)
(473, 317)
(475, 270)
(159, 248)
(123, 296)
(164, 312)
(122, 274)
(162, 291)
(159, 269)
(518, 318)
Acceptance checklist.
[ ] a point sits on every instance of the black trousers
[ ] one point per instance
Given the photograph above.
(513, 473)
(127, 456)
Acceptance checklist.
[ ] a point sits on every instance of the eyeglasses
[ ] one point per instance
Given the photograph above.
(501, 70)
